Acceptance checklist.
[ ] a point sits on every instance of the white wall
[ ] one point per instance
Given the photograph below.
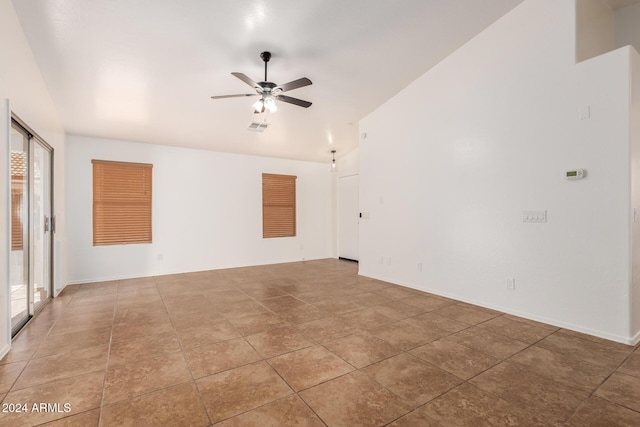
(21, 83)
(451, 162)
(627, 26)
(634, 300)
(207, 211)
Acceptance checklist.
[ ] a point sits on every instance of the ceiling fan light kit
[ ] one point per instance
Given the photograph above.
(269, 92)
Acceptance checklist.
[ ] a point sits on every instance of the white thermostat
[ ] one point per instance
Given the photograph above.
(575, 174)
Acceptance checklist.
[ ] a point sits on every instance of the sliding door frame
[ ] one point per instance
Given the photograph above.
(33, 139)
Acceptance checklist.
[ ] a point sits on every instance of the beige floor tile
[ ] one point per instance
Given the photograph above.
(303, 314)
(241, 309)
(141, 313)
(362, 349)
(335, 306)
(397, 292)
(621, 389)
(416, 418)
(21, 349)
(9, 372)
(469, 406)
(354, 400)
(609, 354)
(399, 310)
(281, 303)
(562, 368)
(256, 323)
(82, 393)
(129, 351)
(466, 313)
(242, 389)
(73, 341)
(631, 366)
(598, 412)
(131, 330)
(217, 326)
(368, 299)
(279, 341)
(436, 323)
(328, 328)
(429, 302)
(174, 406)
(189, 318)
(144, 376)
(489, 343)
(196, 336)
(263, 293)
(305, 368)
(214, 358)
(517, 330)
(84, 322)
(413, 380)
(548, 399)
(404, 335)
(59, 366)
(84, 419)
(454, 358)
(368, 318)
(288, 411)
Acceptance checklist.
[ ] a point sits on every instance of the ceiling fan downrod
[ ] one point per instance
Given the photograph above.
(266, 56)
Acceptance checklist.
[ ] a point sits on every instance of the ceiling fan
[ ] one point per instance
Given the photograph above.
(269, 91)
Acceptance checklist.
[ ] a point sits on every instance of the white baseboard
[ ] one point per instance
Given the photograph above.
(5, 350)
(553, 322)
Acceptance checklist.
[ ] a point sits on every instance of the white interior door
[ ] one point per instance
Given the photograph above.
(348, 217)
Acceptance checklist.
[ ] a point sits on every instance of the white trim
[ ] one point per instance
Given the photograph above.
(7, 277)
(5, 350)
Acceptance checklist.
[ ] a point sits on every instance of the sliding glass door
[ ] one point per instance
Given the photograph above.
(31, 224)
(19, 270)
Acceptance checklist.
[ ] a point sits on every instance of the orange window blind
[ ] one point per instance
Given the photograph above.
(278, 205)
(121, 202)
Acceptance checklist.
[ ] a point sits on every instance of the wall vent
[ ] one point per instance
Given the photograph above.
(258, 127)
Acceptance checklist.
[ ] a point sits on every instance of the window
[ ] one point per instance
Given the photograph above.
(278, 205)
(121, 202)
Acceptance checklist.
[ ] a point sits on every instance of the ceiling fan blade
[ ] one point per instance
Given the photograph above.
(294, 101)
(247, 80)
(234, 96)
(294, 84)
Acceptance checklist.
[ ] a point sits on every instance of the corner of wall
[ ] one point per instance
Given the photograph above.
(595, 29)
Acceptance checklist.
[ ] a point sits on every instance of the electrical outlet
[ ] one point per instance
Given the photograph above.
(381, 259)
(160, 257)
(511, 284)
(419, 267)
(388, 260)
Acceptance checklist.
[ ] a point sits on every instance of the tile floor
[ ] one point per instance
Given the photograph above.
(304, 344)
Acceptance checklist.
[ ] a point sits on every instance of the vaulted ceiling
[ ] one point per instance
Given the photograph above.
(144, 70)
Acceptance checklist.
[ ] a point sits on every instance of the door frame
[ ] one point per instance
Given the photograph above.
(32, 139)
(338, 216)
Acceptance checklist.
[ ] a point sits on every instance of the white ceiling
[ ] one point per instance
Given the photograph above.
(144, 70)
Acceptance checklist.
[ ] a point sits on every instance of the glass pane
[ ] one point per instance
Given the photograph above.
(19, 229)
(41, 224)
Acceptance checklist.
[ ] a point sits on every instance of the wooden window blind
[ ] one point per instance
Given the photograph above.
(278, 205)
(121, 202)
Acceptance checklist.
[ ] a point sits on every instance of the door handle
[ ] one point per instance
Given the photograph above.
(46, 223)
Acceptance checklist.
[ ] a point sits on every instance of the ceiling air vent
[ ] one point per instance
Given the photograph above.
(258, 127)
